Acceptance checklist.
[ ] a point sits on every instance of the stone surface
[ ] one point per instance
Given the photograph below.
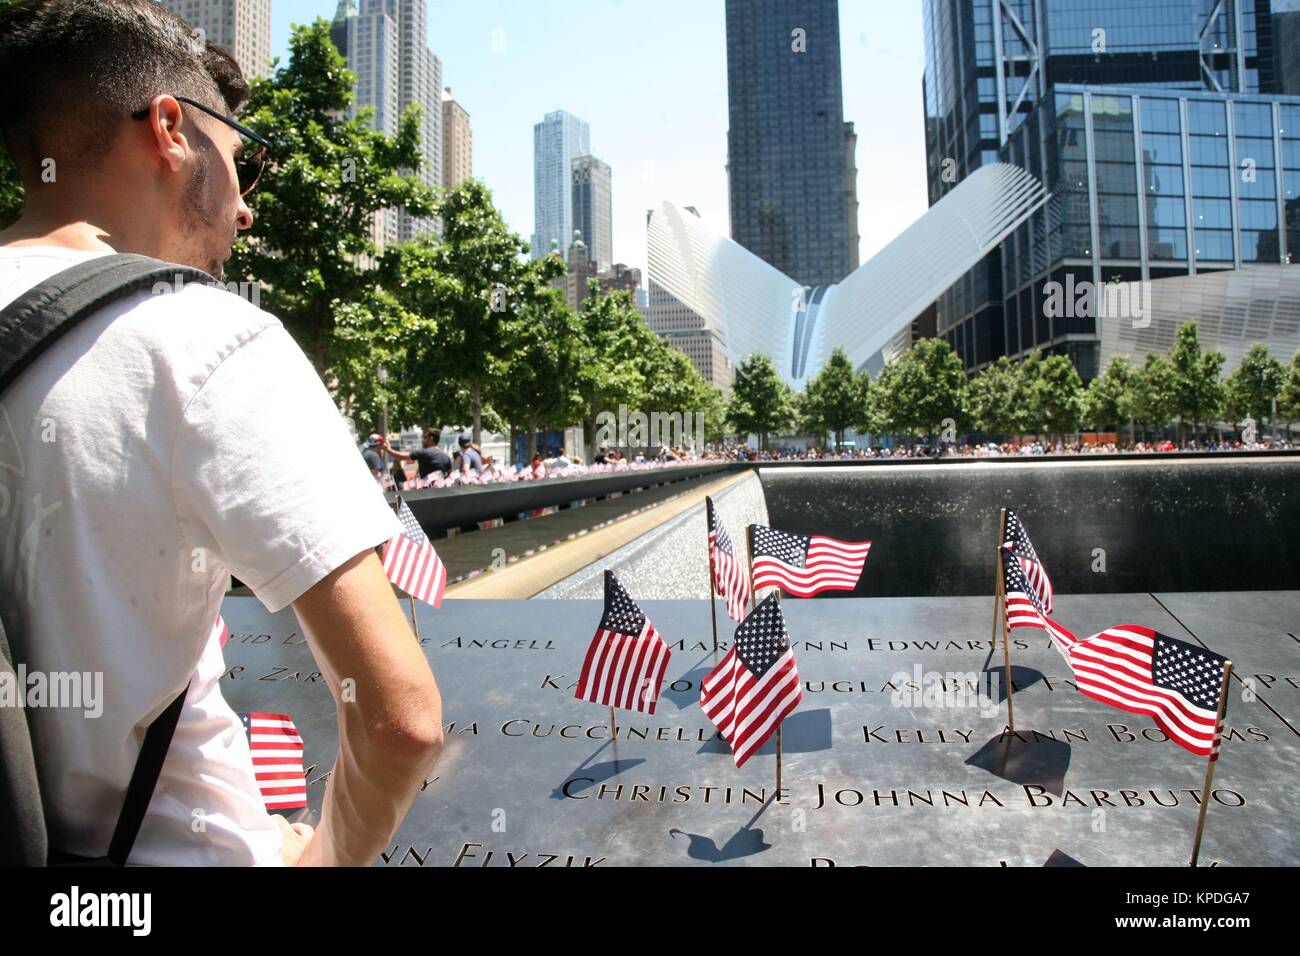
(872, 772)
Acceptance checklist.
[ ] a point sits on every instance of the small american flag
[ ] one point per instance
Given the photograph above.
(410, 561)
(1023, 607)
(277, 760)
(1017, 539)
(1139, 670)
(627, 658)
(805, 564)
(729, 575)
(756, 685)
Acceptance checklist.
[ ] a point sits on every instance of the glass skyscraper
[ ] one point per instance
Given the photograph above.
(557, 140)
(1152, 124)
(790, 168)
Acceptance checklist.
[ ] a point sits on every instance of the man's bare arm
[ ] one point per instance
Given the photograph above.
(390, 720)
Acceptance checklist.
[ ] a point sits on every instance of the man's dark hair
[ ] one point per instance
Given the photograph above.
(73, 70)
(433, 434)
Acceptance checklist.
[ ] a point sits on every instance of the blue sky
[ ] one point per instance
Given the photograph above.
(649, 76)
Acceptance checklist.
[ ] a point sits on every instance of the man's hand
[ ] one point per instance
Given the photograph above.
(296, 836)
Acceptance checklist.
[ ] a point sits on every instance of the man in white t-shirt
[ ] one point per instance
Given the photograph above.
(142, 463)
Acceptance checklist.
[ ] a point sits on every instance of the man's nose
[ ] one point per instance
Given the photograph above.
(243, 215)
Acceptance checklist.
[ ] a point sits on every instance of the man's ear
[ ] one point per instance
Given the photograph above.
(167, 124)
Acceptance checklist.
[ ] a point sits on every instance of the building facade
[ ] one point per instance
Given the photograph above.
(582, 268)
(593, 211)
(385, 46)
(557, 140)
(241, 27)
(1058, 88)
(457, 142)
(791, 172)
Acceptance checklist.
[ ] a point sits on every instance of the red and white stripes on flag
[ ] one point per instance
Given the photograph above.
(756, 686)
(729, 576)
(277, 760)
(627, 658)
(410, 561)
(1017, 539)
(805, 564)
(1144, 672)
(220, 630)
(1023, 609)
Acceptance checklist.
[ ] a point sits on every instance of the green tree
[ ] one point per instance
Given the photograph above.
(543, 354)
(997, 399)
(1254, 384)
(1109, 397)
(761, 401)
(924, 386)
(613, 371)
(1155, 393)
(831, 401)
(1289, 405)
(1198, 391)
(11, 187)
(310, 248)
(1057, 396)
(489, 284)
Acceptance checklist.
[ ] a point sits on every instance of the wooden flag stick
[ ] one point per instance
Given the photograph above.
(778, 732)
(713, 601)
(613, 726)
(415, 625)
(1211, 761)
(997, 580)
(998, 609)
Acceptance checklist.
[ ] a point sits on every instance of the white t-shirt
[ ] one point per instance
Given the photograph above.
(143, 459)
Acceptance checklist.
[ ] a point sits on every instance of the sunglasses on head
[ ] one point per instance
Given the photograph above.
(253, 152)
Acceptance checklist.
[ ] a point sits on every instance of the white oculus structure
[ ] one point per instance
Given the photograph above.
(756, 308)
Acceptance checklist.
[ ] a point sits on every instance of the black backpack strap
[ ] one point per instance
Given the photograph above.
(28, 327)
(38, 318)
(157, 740)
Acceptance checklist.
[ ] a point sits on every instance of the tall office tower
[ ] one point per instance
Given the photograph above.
(557, 140)
(1136, 117)
(1285, 26)
(384, 43)
(457, 143)
(242, 27)
(786, 143)
(593, 212)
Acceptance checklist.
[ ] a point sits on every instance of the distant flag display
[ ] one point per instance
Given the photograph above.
(1023, 607)
(756, 686)
(1017, 539)
(277, 760)
(805, 564)
(1139, 670)
(729, 575)
(627, 658)
(410, 561)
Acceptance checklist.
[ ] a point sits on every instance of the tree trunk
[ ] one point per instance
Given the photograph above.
(532, 437)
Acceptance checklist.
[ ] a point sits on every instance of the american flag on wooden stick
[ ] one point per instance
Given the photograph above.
(805, 564)
(756, 685)
(1144, 672)
(277, 760)
(410, 561)
(627, 658)
(1017, 539)
(1023, 607)
(729, 575)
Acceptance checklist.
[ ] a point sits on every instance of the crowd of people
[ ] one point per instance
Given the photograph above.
(466, 463)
